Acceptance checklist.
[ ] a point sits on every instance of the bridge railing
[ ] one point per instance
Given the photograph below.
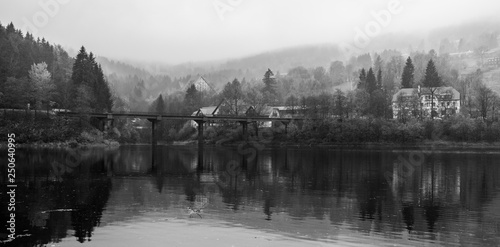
(178, 116)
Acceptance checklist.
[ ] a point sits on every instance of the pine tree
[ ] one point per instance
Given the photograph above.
(269, 82)
(378, 64)
(102, 90)
(80, 67)
(432, 81)
(379, 79)
(362, 79)
(192, 99)
(431, 78)
(159, 105)
(371, 82)
(88, 73)
(408, 74)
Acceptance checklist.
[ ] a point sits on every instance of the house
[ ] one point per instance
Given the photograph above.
(281, 112)
(201, 84)
(416, 101)
(493, 62)
(208, 111)
(286, 112)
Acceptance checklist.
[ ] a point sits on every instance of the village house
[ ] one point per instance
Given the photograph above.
(492, 58)
(251, 111)
(201, 84)
(207, 111)
(415, 101)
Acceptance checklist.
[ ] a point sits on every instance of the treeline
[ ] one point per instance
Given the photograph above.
(30, 69)
(38, 75)
(90, 90)
(353, 111)
(377, 130)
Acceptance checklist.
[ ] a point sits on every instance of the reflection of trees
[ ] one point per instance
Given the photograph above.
(432, 185)
(344, 187)
(368, 199)
(86, 216)
(47, 201)
(408, 217)
(431, 215)
(371, 187)
(268, 204)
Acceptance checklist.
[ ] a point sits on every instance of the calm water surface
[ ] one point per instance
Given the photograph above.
(316, 196)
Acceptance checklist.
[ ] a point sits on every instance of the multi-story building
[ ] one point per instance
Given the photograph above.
(418, 101)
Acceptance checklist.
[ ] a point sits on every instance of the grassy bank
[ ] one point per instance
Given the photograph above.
(452, 132)
(55, 131)
(456, 132)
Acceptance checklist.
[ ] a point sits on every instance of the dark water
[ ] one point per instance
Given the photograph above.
(323, 196)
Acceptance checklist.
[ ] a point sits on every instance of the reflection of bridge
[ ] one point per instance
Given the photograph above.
(105, 118)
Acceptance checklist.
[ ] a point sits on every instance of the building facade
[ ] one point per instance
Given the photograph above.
(413, 102)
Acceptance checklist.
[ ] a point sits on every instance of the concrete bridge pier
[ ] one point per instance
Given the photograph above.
(244, 125)
(200, 131)
(154, 121)
(286, 126)
(201, 127)
(256, 124)
(106, 122)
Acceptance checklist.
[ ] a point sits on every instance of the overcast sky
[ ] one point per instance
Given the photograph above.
(200, 30)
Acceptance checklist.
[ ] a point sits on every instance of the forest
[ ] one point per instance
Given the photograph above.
(350, 101)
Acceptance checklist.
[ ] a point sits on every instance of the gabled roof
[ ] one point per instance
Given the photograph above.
(206, 111)
(283, 108)
(200, 84)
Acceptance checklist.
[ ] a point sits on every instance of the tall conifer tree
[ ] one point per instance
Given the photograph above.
(408, 74)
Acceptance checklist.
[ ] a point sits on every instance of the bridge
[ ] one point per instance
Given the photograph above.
(106, 118)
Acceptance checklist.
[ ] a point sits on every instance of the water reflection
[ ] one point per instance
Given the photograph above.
(51, 202)
(446, 198)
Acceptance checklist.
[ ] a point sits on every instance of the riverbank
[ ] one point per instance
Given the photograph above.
(457, 133)
(67, 144)
(54, 132)
(438, 145)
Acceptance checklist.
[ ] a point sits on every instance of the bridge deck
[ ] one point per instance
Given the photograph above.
(178, 117)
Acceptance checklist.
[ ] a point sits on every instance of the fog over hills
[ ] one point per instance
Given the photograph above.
(308, 56)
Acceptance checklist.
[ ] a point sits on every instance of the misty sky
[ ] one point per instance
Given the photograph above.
(195, 30)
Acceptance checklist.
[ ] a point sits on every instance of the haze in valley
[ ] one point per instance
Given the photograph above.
(197, 30)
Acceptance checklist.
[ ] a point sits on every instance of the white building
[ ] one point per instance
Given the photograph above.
(410, 101)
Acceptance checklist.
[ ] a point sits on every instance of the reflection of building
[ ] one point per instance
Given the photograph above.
(446, 101)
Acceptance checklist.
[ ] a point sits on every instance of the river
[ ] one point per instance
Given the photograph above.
(254, 196)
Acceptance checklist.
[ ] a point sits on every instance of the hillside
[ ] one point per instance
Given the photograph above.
(285, 59)
(492, 79)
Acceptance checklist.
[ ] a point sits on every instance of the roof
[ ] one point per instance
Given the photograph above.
(284, 108)
(201, 84)
(205, 111)
(403, 91)
(426, 91)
